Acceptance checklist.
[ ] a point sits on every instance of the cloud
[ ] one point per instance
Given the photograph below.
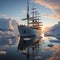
(54, 5)
(4, 16)
(12, 17)
(56, 53)
(24, 11)
(53, 58)
(55, 16)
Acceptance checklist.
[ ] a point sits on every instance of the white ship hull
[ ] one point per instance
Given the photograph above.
(27, 36)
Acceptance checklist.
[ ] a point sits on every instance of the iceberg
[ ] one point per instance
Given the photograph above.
(8, 31)
(54, 31)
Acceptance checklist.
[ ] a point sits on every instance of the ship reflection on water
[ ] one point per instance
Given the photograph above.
(43, 50)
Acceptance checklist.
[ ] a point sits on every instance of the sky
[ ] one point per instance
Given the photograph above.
(16, 9)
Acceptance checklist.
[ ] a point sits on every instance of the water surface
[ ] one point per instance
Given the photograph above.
(45, 51)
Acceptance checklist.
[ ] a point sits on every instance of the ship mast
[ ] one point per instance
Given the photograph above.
(33, 12)
(34, 20)
(27, 12)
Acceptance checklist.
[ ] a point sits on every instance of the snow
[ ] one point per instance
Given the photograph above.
(54, 31)
(8, 30)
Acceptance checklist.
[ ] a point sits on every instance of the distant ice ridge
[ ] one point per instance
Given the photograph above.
(54, 31)
(8, 31)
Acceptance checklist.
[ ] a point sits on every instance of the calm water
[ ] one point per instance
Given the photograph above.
(45, 51)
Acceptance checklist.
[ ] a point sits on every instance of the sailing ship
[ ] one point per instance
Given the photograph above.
(31, 33)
